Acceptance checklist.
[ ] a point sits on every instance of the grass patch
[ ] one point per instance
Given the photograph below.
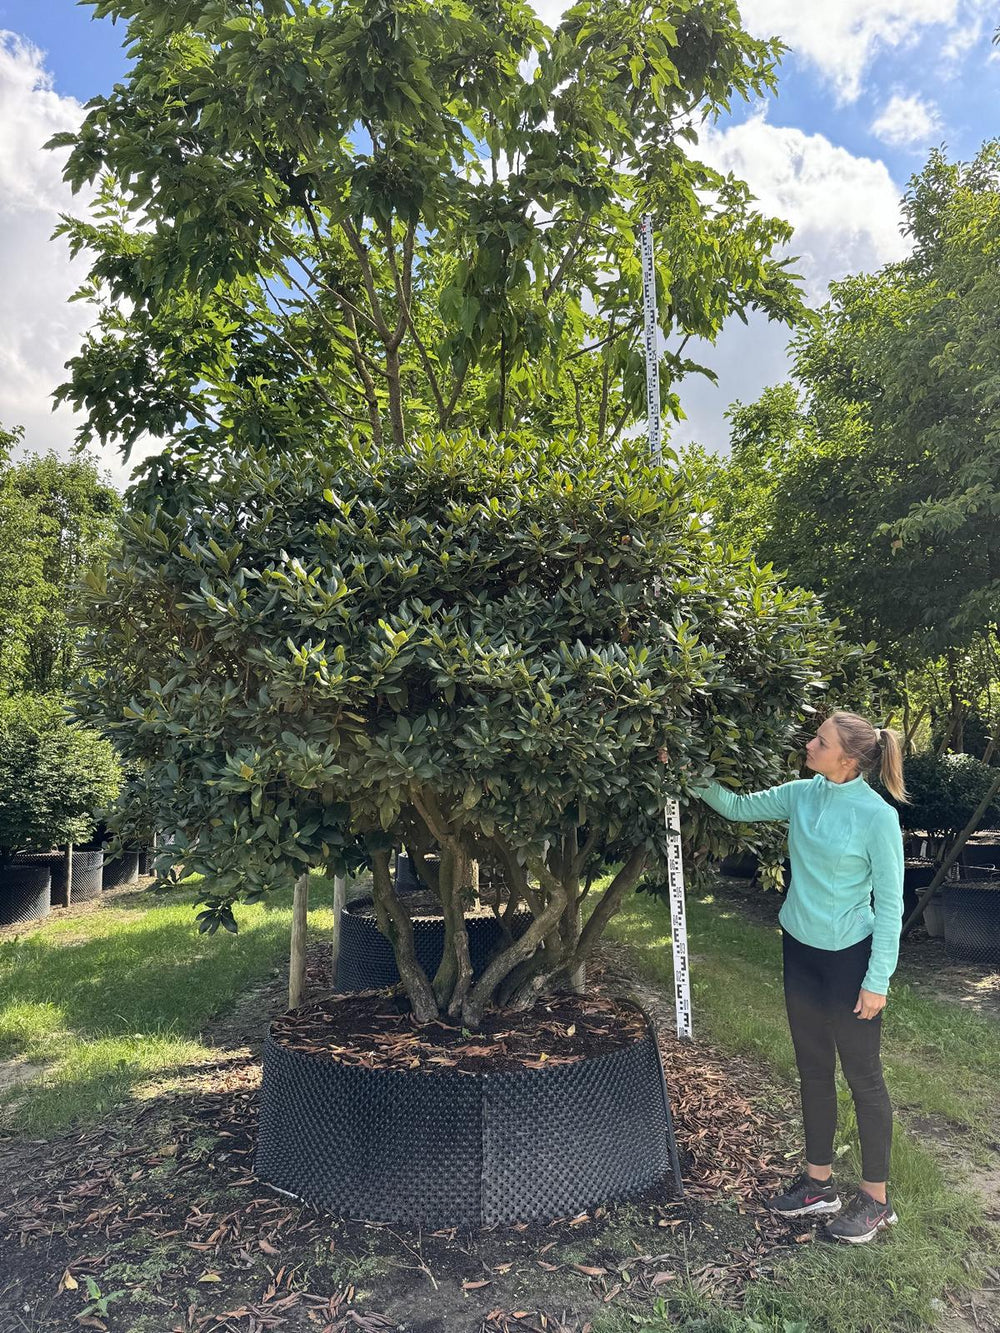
(739, 1006)
(112, 999)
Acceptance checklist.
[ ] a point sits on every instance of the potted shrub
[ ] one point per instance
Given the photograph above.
(53, 775)
(476, 646)
(945, 792)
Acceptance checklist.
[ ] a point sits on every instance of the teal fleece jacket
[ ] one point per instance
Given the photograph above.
(846, 848)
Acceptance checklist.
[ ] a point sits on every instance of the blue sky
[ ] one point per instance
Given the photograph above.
(867, 89)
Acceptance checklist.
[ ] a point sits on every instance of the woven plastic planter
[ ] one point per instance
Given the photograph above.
(972, 921)
(121, 869)
(366, 958)
(456, 1149)
(25, 892)
(88, 875)
(58, 866)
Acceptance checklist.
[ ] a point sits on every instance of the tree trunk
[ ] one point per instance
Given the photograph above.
(297, 953)
(504, 963)
(444, 978)
(911, 730)
(460, 935)
(572, 921)
(394, 922)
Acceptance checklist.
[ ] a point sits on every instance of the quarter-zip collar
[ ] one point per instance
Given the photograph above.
(838, 788)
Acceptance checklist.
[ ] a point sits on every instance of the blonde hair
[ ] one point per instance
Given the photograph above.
(873, 748)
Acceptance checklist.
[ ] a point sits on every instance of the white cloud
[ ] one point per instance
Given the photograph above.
(846, 214)
(845, 209)
(906, 121)
(842, 37)
(962, 40)
(39, 330)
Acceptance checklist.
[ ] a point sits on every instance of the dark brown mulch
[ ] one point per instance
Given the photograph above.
(160, 1205)
(378, 1031)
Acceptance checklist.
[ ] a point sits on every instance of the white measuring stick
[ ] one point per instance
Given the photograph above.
(649, 322)
(672, 812)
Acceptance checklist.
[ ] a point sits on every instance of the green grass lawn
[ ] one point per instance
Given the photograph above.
(110, 999)
(940, 1060)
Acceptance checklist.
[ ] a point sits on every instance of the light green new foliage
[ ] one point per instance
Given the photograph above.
(412, 216)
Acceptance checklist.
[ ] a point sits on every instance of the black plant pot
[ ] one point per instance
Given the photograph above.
(366, 959)
(456, 1149)
(121, 869)
(917, 875)
(741, 865)
(407, 880)
(25, 891)
(58, 866)
(972, 921)
(88, 875)
(982, 854)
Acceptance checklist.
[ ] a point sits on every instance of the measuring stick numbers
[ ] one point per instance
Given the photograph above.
(672, 811)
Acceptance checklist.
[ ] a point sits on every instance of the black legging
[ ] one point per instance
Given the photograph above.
(821, 990)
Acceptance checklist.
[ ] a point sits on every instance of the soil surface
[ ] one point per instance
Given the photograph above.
(159, 1208)
(378, 1031)
(152, 1220)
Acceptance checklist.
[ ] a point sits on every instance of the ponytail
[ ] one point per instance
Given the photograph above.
(873, 749)
(891, 767)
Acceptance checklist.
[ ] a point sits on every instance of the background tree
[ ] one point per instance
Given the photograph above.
(412, 215)
(875, 478)
(54, 776)
(56, 517)
(476, 645)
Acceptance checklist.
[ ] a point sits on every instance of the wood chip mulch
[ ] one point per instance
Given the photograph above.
(378, 1032)
(76, 1206)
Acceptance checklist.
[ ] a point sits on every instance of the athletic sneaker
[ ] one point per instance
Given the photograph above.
(806, 1197)
(862, 1220)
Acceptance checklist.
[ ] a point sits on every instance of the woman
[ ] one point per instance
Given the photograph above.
(845, 848)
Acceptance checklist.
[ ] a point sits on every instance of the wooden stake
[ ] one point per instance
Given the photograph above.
(339, 899)
(297, 955)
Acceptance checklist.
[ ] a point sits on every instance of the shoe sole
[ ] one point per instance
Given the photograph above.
(884, 1222)
(827, 1209)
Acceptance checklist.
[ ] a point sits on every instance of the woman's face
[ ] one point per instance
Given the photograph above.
(825, 755)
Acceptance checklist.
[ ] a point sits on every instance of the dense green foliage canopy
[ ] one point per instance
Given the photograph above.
(407, 216)
(56, 516)
(945, 792)
(54, 776)
(477, 644)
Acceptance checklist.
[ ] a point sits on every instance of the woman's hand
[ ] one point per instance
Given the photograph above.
(869, 1004)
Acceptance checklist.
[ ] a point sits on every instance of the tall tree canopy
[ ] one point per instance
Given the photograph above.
(876, 480)
(407, 215)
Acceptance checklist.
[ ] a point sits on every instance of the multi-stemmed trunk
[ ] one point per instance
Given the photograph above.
(548, 955)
